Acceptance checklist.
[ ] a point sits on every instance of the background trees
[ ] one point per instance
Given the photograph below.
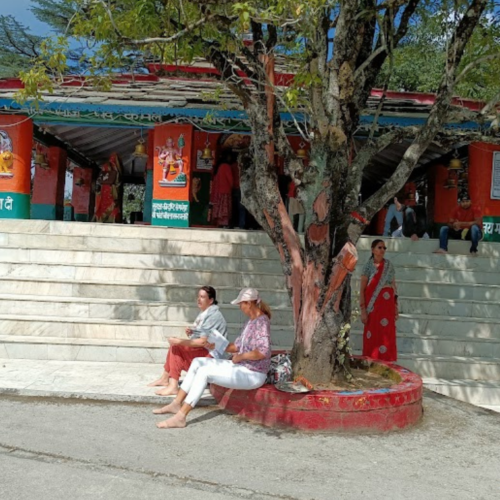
(339, 50)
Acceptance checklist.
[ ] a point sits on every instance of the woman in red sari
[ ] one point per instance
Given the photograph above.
(379, 305)
(222, 189)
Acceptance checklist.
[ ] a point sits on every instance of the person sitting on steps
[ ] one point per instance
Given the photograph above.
(245, 371)
(465, 223)
(183, 351)
(414, 223)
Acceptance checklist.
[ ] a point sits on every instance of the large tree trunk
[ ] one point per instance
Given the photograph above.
(321, 348)
(317, 278)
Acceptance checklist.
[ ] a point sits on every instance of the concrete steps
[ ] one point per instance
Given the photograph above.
(480, 393)
(93, 292)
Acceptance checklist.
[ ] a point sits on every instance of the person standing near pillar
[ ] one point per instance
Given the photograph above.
(109, 192)
(239, 211)
(221, 196)
(465, 224)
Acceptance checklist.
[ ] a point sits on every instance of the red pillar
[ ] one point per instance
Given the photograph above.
(82, 194)
(48, 186)
(481, 157)
(16, 137)
(442, 201)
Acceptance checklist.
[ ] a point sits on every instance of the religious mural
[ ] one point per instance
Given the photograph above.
(6, 155)
(172, 163)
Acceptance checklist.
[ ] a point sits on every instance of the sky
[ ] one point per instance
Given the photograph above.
(20, 9)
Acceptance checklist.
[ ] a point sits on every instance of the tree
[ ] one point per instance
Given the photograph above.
(418, 62)
(337, 49)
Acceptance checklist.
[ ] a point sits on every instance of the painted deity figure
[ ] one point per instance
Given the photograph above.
(109, 192)
(170, 157)
(6, 156)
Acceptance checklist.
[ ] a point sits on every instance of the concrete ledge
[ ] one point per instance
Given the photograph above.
(375, 410)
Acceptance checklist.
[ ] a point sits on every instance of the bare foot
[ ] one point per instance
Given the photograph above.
(159, 382)
(173, 407)
(440, 250)
(178, 421)
(168, 391)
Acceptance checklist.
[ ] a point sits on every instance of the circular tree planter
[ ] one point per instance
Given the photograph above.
(369, 410)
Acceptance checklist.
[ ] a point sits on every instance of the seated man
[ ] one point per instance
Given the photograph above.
(414, 223)
(465, 223)
(393, 219)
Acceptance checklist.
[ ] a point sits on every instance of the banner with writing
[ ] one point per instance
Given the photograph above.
(172, 213)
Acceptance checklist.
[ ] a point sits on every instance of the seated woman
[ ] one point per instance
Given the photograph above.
(246, 370)
(183, 351)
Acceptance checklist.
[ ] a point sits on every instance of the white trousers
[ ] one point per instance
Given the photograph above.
(223, 372)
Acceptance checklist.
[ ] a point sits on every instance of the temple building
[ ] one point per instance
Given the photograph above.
(166, 134)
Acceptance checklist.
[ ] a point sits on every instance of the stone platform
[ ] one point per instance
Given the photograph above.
(85, 292)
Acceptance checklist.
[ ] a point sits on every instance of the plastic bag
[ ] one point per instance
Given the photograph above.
(280, 369)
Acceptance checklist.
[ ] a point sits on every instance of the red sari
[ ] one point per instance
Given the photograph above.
(379, 335)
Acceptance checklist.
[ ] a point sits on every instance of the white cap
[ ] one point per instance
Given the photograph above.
(247, 294)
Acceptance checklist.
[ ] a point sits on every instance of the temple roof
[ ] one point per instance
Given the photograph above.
(76, 112)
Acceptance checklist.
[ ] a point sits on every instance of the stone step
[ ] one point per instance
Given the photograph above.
(116, 309)
(220, 275)
(136, 351)
(405, 246)
(476, 392)
(434, 345)
(448, 307)
(452, 367)
(416, 314)
(129, 291)
(408, 273)
(172, 292)
(495, 408)
(105, 329)
(413, 266)
(136, 245)
(116, 231)
(432, 261)
(188, 277)
(137, 260)
(445, 326)
(78, 349)
(439, 290)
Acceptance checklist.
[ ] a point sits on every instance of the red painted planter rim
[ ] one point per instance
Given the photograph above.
(406, 392)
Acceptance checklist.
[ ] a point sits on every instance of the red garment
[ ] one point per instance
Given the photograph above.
(180, 357)
(222, 206)
(223, 180)
(292, 190)
(379, 335)
(235, 169)
(462, 215)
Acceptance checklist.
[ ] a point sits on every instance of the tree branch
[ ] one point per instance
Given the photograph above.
(436, 116)
(474, 64)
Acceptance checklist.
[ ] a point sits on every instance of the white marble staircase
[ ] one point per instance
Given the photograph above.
(90, 292)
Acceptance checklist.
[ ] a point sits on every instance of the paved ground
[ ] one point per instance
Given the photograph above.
(56, 448)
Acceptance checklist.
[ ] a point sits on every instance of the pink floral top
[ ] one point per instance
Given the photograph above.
(256, 334)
